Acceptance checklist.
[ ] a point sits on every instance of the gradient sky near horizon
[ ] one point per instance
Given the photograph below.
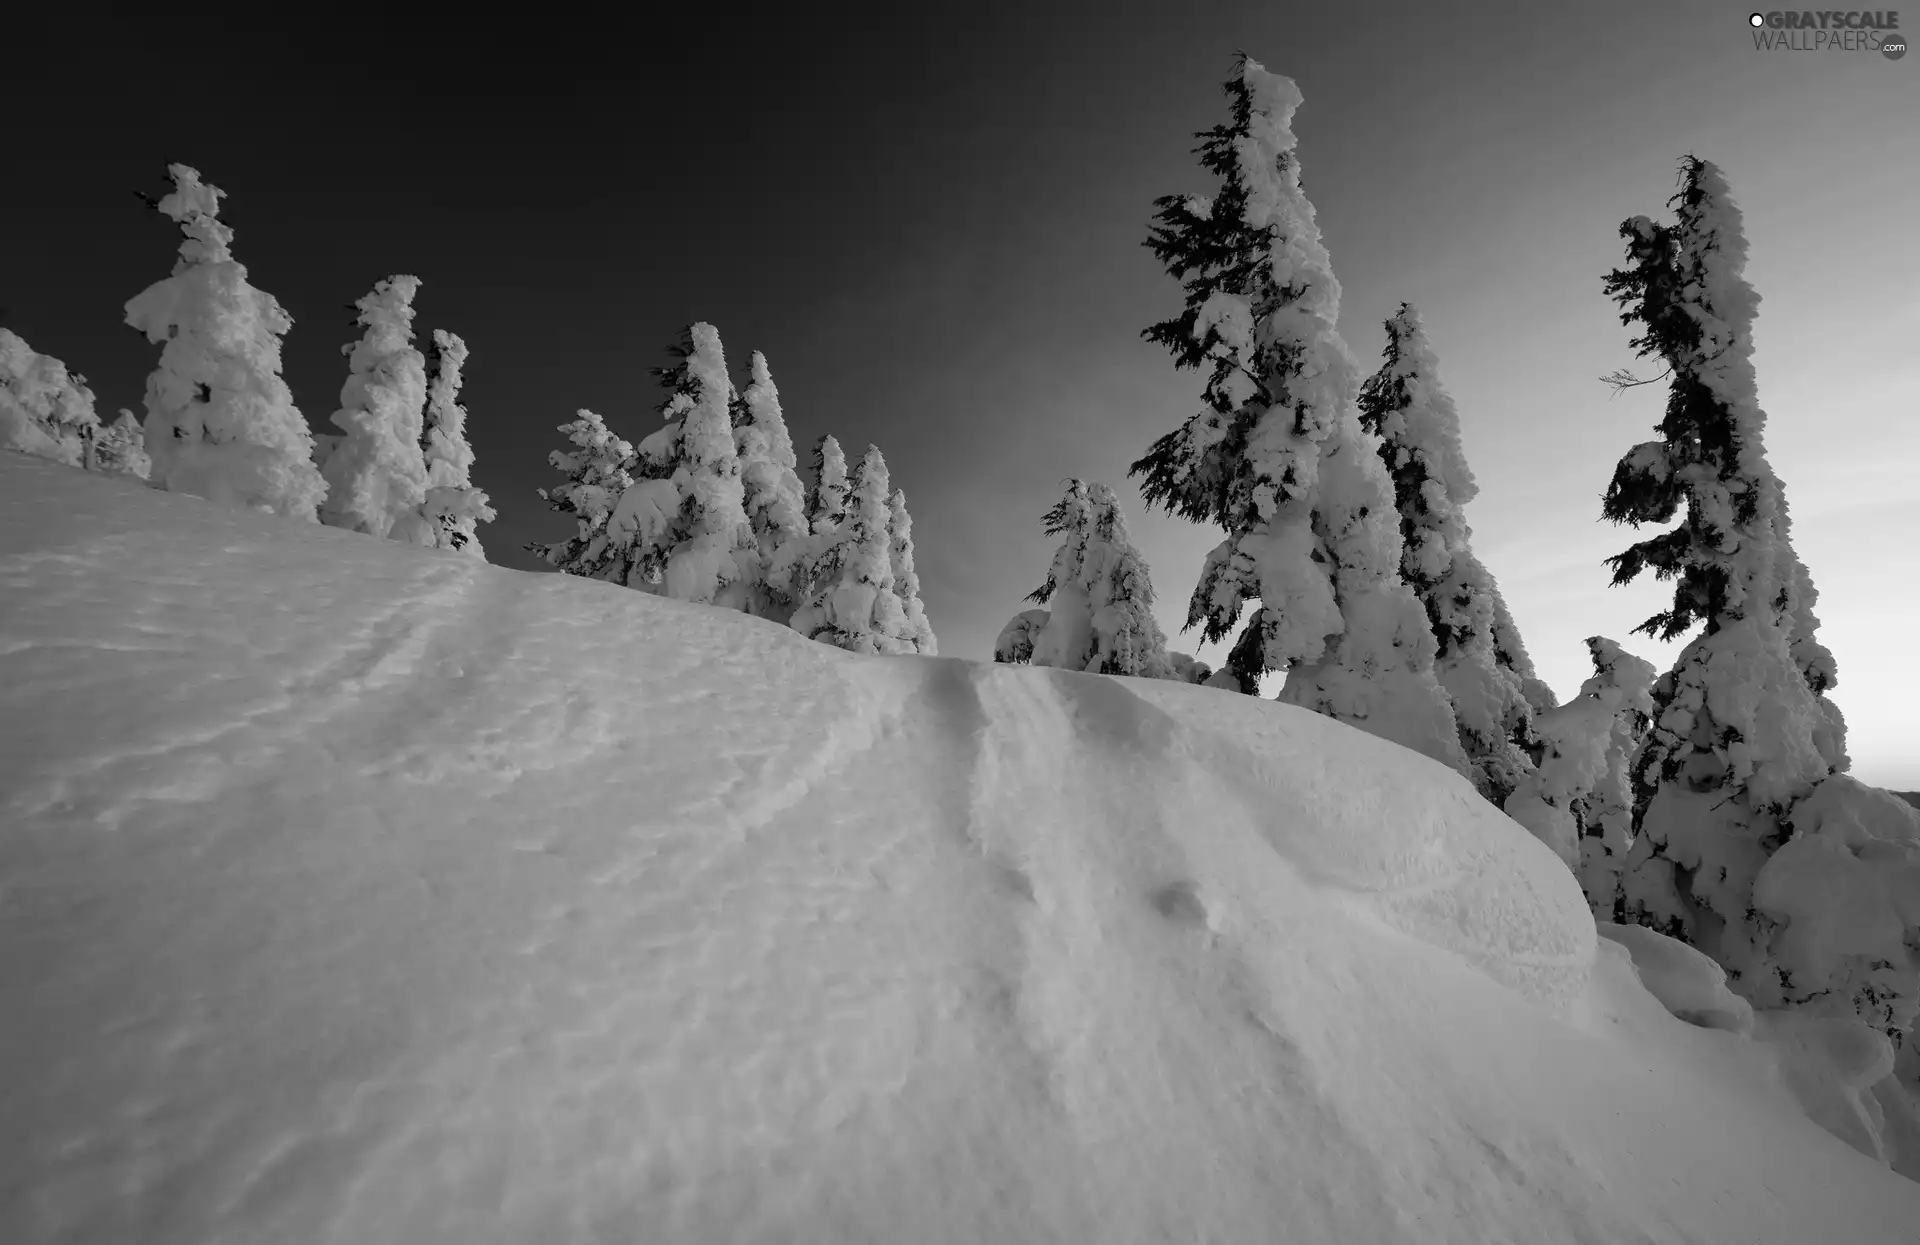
(930, 221)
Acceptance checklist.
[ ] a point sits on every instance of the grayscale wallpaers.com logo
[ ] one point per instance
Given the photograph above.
(1830, 30)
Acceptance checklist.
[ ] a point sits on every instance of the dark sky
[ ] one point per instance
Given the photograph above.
(929, 219)
(859, 197)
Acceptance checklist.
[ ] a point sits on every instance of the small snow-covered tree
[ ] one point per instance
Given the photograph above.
(1101, 596)
(597, 479)
(1578, 800)
(454, 507)
(377, 477)
(684, 521)
(1277, 455)
(1063, 633)
(45, 410)
(121, 448)
(1014, 645)
(774, 499)
(850, 600)
(220, 422)
(1737, 735)
(1405, 406)
(906, 580)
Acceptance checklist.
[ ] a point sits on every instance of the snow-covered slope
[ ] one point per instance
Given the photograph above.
(359, 893)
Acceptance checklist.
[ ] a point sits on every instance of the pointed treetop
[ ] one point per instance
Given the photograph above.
(1684, 286)
(450, 357)
(707, 435)
(827, 504)
(387, 313)
(870, 483)
(196, 206)
(1404, 404)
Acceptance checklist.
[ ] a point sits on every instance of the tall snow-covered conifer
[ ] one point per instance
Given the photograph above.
(684, 520)
(454, 507)
(598, 477)
(377, 478)
(906, 580)
(44, 410)
(220, 422)
(1277, 455)
(775, 500)
(1405, 406)
(1738, 730)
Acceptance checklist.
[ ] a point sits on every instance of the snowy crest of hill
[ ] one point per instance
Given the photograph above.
(361, 892)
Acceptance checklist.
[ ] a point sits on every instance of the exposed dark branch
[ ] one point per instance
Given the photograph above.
(1623, 380)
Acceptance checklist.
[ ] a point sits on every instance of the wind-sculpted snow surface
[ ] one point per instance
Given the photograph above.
(358, 893)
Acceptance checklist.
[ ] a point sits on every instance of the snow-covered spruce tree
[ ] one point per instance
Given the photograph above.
(121, 448)
(1277, 455)
(798, 563)
(906, 579)
(1578, 800)
(454, 507)
(220, 422)
(1734, 744)
(45, 410)
(850, 600)
(827, 502)
(775, 501)
(377, 477)
(597, 478)
(684, 520)
(1405, 406)
(1061, 635)
(1101, 596)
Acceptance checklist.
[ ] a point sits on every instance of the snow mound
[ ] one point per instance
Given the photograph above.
(355, 892)
(1832, 1065)
(1847, 886)
(1686, 982)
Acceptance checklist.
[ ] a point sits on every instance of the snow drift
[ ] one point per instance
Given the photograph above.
(354, 892)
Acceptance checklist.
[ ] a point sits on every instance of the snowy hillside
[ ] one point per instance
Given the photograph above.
(354, 892)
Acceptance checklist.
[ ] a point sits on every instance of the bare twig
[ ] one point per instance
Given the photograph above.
(1624, 380)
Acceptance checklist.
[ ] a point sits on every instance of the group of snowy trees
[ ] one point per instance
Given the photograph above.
(400, 469)
(1709, 802)
(709, 508)
(48, 412)
(1342, 501)
(221, 423)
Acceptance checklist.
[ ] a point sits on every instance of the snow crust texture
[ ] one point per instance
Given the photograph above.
(356, 893)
